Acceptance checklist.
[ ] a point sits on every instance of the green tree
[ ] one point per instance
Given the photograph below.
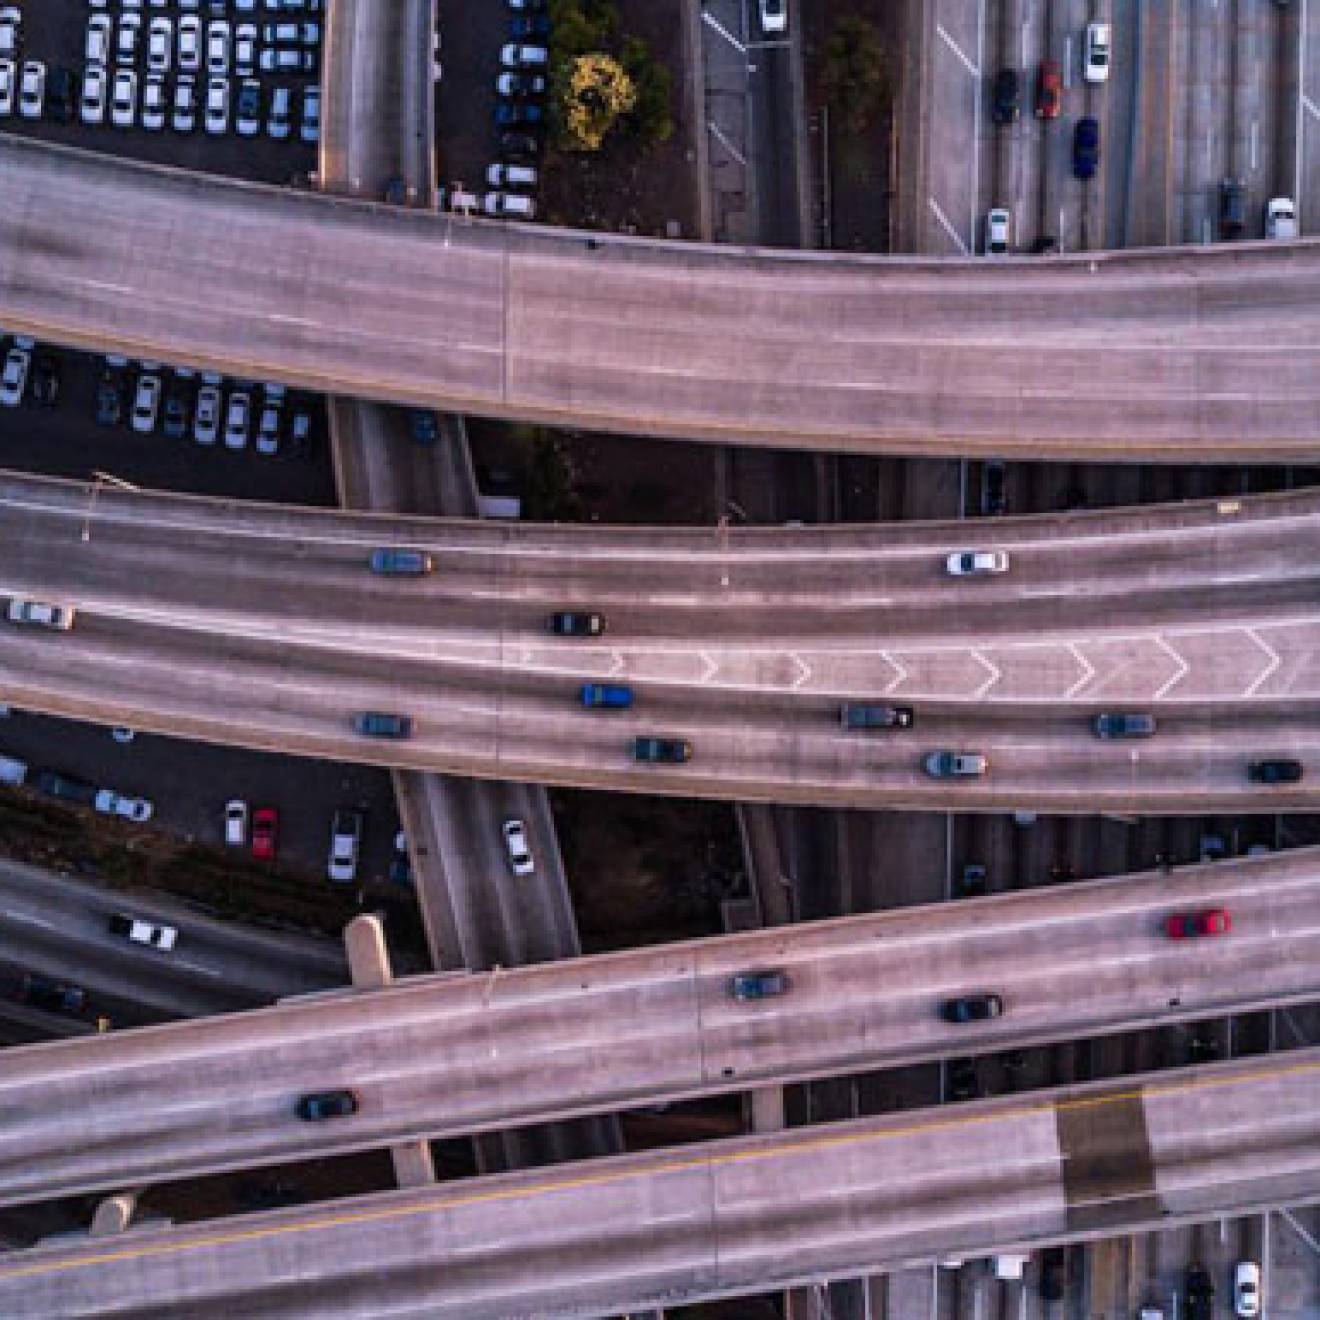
(856, 76)
(652, 117)
(595, 95)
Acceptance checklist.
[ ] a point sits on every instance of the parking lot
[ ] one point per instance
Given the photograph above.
(56, 34)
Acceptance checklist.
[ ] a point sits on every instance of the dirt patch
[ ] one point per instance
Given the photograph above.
(584, 476)
(646, 870)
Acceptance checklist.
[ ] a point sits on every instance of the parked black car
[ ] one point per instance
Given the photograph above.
(53, 996)
(1232, 208)
(519, 114)
(516, 147)
(860, 715)
(109, 400)
(67, 787)
(60, 92)
(529, 27)
(45, 387)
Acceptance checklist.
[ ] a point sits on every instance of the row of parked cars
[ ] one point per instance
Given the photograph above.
(206, 407)
(520, 113)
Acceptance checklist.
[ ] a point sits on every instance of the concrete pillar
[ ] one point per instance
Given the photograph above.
(113, 1215)
(368, 954)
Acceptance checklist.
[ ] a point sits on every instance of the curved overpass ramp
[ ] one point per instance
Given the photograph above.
(262, 626)
(452, 1055)
(1186, 354)
(729, 1217)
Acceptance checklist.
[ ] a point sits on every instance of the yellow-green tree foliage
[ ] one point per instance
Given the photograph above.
(596, 94)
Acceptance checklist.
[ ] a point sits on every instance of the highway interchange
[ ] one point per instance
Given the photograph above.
(1204, 616)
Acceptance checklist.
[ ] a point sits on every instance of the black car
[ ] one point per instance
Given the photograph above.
(382, 724)
(423, 427)
(759, 985)
(109, 400)
(963, 1083)
(576, 623)
(972, 1008)
(856, 715)
(64, 786)
(1044, 245)
(327, 1104)
(525, 27)
(519, 114)
(1086, 148)
(1275, 772)
(662, 751)
(1124, 724)
(60, 92)
(516, 147)
(1200, 1294)
(1232, 208)
(1053, 1274)
(994, 498)
(972, 882)
(175, 424)
(1006, 97)
(45, 387)
(53, 996)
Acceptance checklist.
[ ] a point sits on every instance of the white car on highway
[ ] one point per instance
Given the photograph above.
(40, 614)
(152, 933)
(976, 563)
(1095, 54)
(110, 803)
(517, 847)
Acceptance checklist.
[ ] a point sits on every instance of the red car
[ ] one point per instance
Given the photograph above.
(1188, 925)
(1049, 90)
(265, 829)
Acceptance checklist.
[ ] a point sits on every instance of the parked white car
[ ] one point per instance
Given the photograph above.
(160, 45)
(91, 109)
(123, 98)
(217, 105)
(110, 803)
(236, 822)
(13, 379)
(1281, 218)
(32, 90)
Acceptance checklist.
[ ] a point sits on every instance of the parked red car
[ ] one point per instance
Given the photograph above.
(1188, 925)
(1049, 90)
(265, 831)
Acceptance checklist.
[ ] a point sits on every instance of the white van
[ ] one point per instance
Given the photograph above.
(511, 176)
(12, 772)
(514, 206)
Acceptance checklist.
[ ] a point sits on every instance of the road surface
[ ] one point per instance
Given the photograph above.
(729, 1217)
(444, 1056)
(1188, 355)
(266, 629)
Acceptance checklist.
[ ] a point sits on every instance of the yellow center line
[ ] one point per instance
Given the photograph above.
(681, 1164)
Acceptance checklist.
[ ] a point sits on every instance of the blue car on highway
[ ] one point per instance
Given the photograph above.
(607, 696)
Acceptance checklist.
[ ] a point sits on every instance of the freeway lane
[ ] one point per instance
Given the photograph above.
(458, 1054)
(268, 630)
(1184, 354)
(729, 1217)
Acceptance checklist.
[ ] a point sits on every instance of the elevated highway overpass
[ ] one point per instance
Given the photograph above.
(1196, 354)
(444, 1056)
(730, 1217)
(262, 626)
